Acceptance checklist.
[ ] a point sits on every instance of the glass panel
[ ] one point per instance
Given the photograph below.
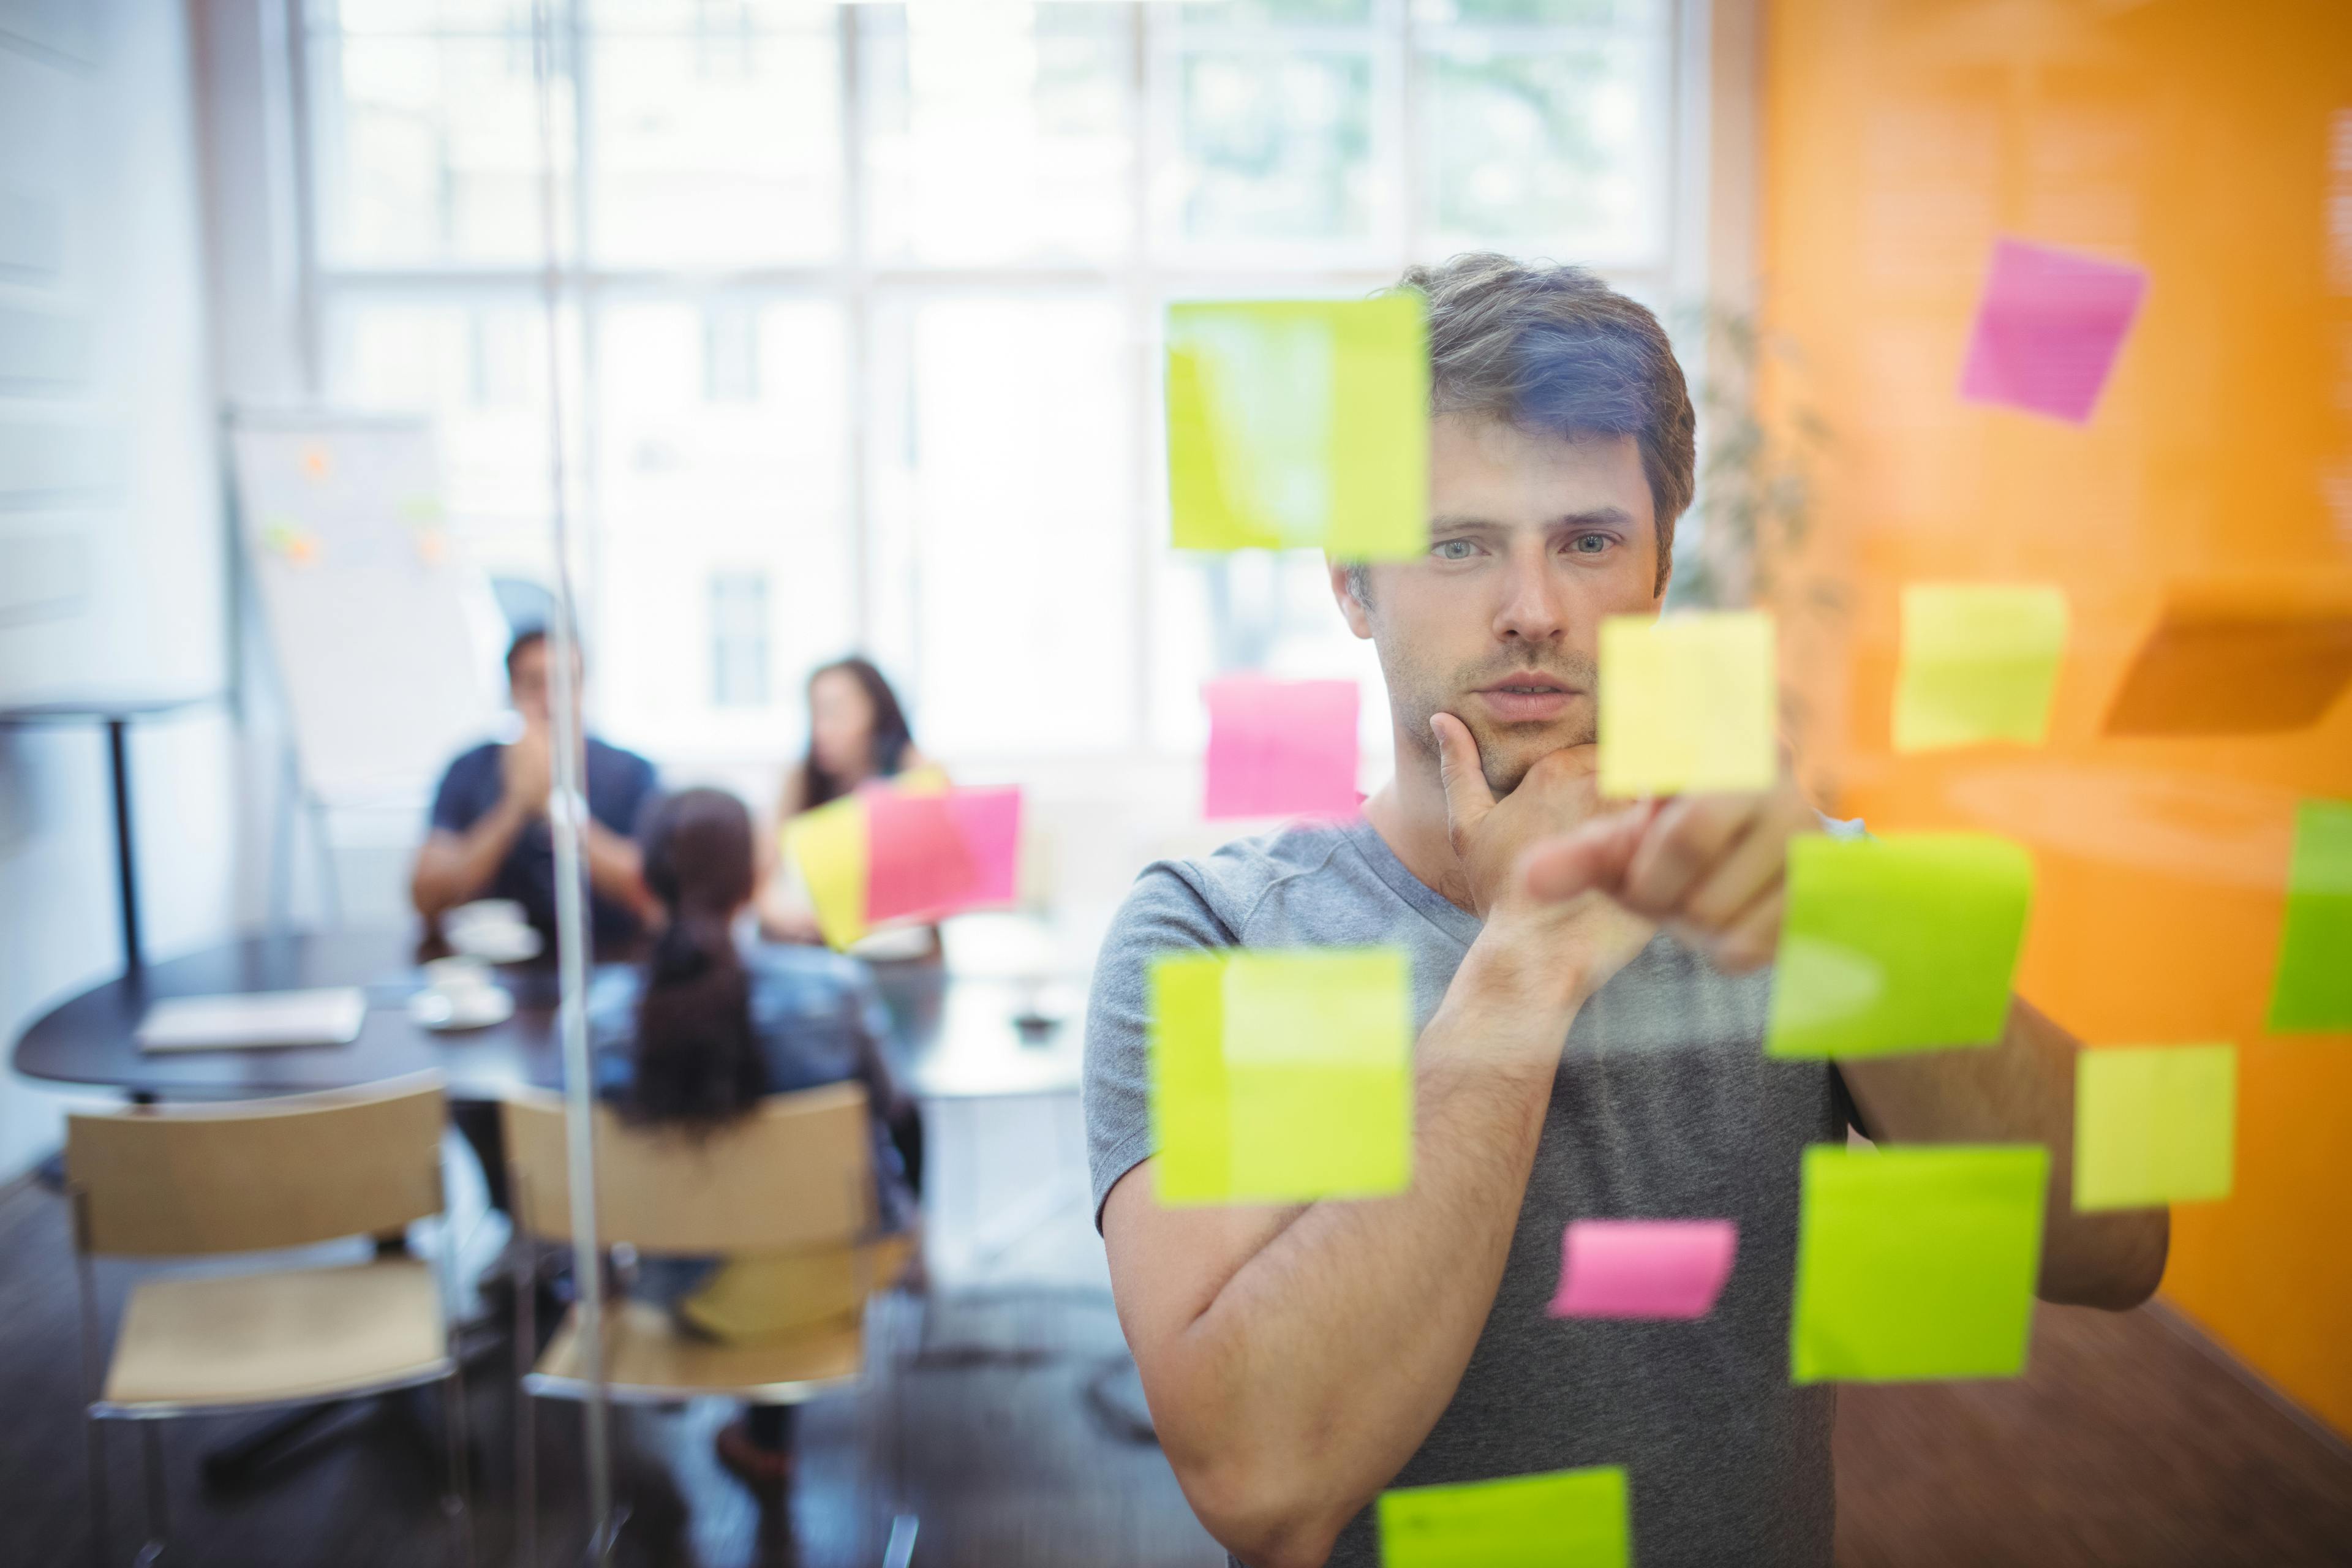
(1004, 497)
(422, 15)
(479, 370)
(1277, 146)
(722, 433)
(715, 147)
(1539, 13)
(997, 132)
(428, 151)
(1561, 150)
(1246, 13)
(1270, 612)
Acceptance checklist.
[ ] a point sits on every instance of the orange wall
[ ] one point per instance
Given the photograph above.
(2194, 138)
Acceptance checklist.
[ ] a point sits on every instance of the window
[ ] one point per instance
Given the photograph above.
(861, 304)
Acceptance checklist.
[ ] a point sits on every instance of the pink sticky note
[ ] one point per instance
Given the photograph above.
(990, 821)
(1281, 748)
(1643, 1267)
(918, 862)
(2049, 328)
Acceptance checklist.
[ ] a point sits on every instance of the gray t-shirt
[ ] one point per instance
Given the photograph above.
(1665, 1107)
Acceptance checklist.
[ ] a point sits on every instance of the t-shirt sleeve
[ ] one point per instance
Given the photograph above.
(1164, 913)
(639, 783)
(456, 805)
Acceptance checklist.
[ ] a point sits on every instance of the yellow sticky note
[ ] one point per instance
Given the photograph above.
(1566, 1518)
(829, 845)
(2154, 1124)
(1282, 1076)
(1299, 423)
(1980, 663)
(1687, 703)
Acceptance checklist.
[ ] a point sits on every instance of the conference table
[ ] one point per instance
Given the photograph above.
(957, 1037)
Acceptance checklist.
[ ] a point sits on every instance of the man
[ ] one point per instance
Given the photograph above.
(1299, 1360)
(489, 837)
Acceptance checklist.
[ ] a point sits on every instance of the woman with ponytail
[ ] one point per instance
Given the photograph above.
(710, 1025)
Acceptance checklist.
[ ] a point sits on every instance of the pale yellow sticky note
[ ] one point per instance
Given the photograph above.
(1687, 703)
(2154, 1124)
(1980, 663)
(829, 847)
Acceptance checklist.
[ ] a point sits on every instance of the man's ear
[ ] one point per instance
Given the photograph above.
(1343, 592)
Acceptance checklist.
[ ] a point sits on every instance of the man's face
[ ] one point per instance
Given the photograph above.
(1533, 539)
(530, 688)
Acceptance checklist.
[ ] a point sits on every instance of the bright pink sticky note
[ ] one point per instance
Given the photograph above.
(1281, 748)
(917, 861)
(2049, 328)
(990, 821)
(1643, 1267)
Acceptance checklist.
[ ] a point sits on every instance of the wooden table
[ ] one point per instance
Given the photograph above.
(958, 1037)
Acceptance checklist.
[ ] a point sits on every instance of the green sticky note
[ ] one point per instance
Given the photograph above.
(2154, 1124)
(1902, 944)
(2313, 991)
(1567, 1519)
(1916, 1262)
(1282, 1076)
(1299, 423)
(1980, 663)
(1687, 703)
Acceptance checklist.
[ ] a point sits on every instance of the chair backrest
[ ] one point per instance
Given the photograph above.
(795, 1171)
(254, 1175)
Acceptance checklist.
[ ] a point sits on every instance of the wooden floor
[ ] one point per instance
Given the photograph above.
(1005, 1416)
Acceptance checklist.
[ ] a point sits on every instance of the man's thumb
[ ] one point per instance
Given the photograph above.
(1459, 772)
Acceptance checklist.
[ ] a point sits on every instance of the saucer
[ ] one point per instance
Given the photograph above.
(442, 1011)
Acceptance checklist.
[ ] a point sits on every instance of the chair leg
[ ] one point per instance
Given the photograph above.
(459, 1504)
(150, 1464)
(95, 1430)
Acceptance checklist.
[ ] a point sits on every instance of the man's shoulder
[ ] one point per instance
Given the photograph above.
(618, 760)
(1216, 894)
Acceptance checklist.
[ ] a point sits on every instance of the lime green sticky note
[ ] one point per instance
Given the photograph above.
(1566, 1518)
(1980, 663)
(1299, 423)
(1902, 944)
(1282, 1076)
(1687, 703)
(2154, 1124)
(1916, 1262)
(2313, 991)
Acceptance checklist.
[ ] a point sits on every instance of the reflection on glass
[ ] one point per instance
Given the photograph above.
(996, 131)
(1548, 147)
(1220, 12)
(425, 149)
(719, 146)
(1537, 12)
(1277, 146)
(1005, 528)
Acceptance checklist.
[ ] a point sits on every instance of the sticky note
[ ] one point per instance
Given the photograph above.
(1916, 1262)
(1281, 748)
(1565, 1519)
(2154, 1124)
(1980, 663)
(1643, 1267)
(1687, 703)
(990, 821)
(1299, 423)
(1902, 944)
(1281, 1076)
(917, 861)
(829, 845)
(2048, 330)
(2257, 654)
(2312, 992)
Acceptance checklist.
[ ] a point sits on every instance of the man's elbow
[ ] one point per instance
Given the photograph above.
(2124, 1266)
(1258, 1511)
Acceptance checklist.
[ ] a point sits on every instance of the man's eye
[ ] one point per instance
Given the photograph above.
(1589, 543)
(1454, 549)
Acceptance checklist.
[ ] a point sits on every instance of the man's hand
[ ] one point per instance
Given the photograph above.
(1580, 940)
(527, 770)
(1712, 868)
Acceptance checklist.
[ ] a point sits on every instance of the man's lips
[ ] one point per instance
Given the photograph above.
(1522, 698)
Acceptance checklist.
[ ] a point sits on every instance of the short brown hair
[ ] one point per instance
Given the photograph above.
(1553, 349)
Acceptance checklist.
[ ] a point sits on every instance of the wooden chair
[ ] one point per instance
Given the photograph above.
(794, 1175)
(258, 1176)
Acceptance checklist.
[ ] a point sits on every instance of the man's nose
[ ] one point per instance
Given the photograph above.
(1532, 609)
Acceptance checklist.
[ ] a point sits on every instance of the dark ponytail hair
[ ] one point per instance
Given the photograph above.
(891, 734)
(698, 1063)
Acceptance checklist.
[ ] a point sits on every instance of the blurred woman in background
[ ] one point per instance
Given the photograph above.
(857, 734)
(706, 1028)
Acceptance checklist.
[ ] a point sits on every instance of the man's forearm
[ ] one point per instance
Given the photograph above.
(1323, 1362)
(2020, 1091)
(615, 867)
(453, 869)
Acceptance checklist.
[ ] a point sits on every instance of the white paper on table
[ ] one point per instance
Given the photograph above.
(254, 1020)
